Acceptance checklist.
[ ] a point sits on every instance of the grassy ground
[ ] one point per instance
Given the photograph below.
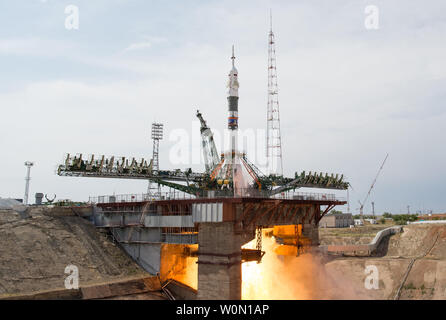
(357, 235)
(367, 230)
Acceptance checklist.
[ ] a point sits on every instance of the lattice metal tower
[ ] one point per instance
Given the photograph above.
(157, 135)
(273, 138)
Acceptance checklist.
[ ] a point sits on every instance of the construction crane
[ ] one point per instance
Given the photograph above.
(361, 208)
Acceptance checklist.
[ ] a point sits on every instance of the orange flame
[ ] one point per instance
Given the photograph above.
(277, 277)
(189, 276)
(281, 276)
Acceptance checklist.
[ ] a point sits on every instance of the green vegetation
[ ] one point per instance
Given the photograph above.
(357, 216)
(367, 232)
(397, 218)
(382, 221)
(68, 203)
(387, 215)
(410, 286)
(404, 218)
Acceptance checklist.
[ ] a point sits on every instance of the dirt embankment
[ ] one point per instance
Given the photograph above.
(37, 248)
(411, 265)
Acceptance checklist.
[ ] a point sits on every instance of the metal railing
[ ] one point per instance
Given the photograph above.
(240, 193)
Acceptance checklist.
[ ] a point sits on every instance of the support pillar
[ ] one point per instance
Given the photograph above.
(310, 225)
(219, 261)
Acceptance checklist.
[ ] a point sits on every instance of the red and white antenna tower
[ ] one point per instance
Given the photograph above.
(273, 138)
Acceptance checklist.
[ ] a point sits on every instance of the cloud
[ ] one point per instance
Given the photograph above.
(139, 45)
(36, 47)
(147, 43)
(347, 95)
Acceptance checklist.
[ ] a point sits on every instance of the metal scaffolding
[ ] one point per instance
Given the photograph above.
(273, 137)
(157, 135)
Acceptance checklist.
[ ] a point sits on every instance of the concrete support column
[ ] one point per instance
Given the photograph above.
(310, 227)
(219, 261)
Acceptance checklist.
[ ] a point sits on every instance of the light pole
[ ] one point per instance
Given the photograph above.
(157, 135)
(28, 165)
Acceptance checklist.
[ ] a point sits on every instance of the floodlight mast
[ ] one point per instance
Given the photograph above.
(157, 135)
(28, 165)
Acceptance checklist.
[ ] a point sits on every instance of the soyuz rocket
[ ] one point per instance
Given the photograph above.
(233, 86)
(233, 158)
(234, 172)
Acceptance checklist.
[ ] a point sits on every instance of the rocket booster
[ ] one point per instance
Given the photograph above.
(233, 86)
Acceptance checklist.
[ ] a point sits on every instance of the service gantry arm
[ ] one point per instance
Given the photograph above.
(210, 155)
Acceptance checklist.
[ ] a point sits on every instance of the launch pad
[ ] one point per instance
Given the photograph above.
(220, 209)
(228, 174)
(220, 227)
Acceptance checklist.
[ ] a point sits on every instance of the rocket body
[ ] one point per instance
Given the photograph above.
(233, 86)
(233, 170)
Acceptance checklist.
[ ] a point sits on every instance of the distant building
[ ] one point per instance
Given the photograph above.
(358, 222)
(371, 221)
(343, 220)
(39, 197)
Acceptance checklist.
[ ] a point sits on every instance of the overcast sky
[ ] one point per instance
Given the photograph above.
(348, 95)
